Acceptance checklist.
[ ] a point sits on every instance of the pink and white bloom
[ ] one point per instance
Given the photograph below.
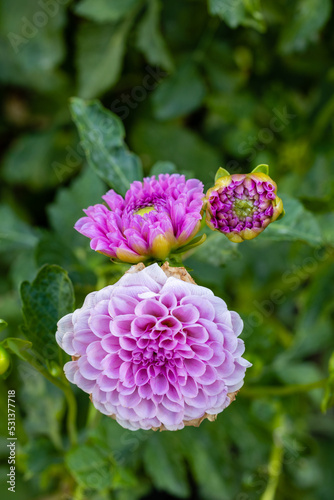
(155, 350)
(156, 217)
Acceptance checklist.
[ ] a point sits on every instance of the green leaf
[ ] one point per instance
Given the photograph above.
(30, 54)
(89, 467)
(221, 172)
(328, 399)
(326, 222)
(31, 159)
(23, 267)
(295, 372)
(125, 478)
(179, 94)
(165, 468)
(308, 20)
(103, 11)
(316, 186)
(261, 169)
(298, 225)
(100, 53)
(170, 142)
(69, 203)
(231, 11)
(204, 470)
(218, 250)
(163, 167)
(149, 38)
(102, 135)
(47, 299)
(50, 249)
(3, 324)
(236, 12)
(17, 346)
(15, 234)
(40, 454)
(43, 405)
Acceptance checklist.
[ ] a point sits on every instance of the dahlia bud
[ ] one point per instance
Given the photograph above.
(155, 351)
(242, 205)
(155, 218)
(4, 360)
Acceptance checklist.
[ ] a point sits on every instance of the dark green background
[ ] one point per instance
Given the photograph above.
(230, 83)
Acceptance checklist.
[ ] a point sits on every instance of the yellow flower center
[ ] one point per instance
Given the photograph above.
(145, 210)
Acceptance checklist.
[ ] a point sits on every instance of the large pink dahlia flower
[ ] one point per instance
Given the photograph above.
(155, 217)
(155, 351)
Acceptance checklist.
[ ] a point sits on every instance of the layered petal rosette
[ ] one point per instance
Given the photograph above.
(155, 350)
(242, 205)
(155, 217)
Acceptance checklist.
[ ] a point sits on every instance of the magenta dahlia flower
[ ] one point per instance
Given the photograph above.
(242, 205)
(155, 351)
(156, 217)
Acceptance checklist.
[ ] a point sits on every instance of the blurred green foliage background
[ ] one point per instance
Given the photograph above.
(199, 85)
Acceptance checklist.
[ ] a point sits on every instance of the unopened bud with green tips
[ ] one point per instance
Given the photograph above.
(241, 206)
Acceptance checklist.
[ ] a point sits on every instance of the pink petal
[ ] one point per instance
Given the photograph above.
(110, 343)
(151, 307)
(209, 376)
(186, 314)
(204, 307)
(190, 389)
(99, 324)
(197, 333)
(95, 355)
(87, 370)
(141, 377)
(194, 367)
(130, 400)
(202, 351)
(121, 304)
(146, 409)
(159, 384)
(199, 401)
(121, 325)
(237, 323)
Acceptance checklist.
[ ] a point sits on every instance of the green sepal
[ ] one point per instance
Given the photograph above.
(281, 215)
(261, 169)
(192, 244)
(17, 346)
(221, 172)
(174, 260)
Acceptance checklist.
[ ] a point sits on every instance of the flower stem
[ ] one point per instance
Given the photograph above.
(93, 416)
(71, 416)
(65, 387)
(282, 391)
(275, 463)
